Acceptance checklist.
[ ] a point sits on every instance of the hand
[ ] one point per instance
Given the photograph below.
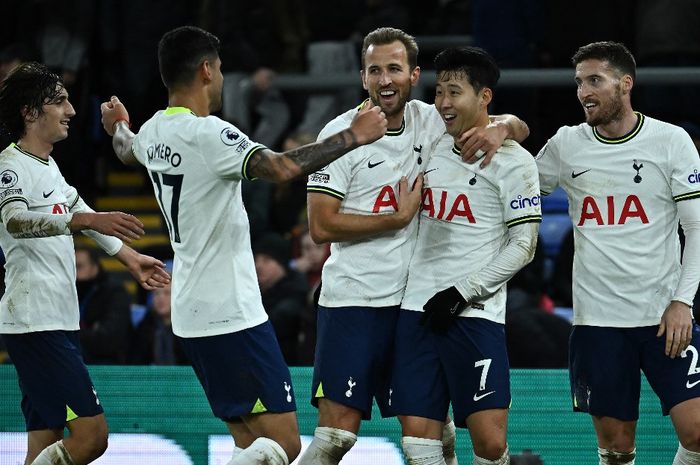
(443, 309)
(481, 143)
(121, 225)
(113, 112)
(148, 271)
(409, 200)
(677, 323)
(369, 124)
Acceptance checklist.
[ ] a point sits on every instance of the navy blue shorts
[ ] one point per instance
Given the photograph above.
(242, 372)
(55, 383)
(605, 364)
(353, 357)
(467, 366)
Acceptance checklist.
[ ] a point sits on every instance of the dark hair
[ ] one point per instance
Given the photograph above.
(181, 51)
(615, 53)
(387, 35)
(477, 65)
(27, 88)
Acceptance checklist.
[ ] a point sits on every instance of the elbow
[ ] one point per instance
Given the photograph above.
(318, 234)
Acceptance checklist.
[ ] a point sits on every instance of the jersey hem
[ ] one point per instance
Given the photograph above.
(220, 331)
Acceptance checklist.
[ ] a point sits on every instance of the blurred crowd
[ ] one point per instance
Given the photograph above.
(105, 47)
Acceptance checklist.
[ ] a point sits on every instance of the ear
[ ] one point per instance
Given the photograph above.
(415, 74)
(205, 70)
(364, 83)
(626, 84)
(486, 96)
(29, 116)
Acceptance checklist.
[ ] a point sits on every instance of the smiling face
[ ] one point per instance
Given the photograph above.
(602, 91)
(388, 79)
(52, 125)
(459, 104)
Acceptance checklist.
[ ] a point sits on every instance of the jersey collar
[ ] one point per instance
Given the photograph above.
(177, 110)
(389, 132)
(30, 155)
(620, 140)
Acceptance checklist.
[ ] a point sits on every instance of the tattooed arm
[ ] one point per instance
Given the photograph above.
(368, 125)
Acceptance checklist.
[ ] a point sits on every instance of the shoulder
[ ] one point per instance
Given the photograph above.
(513, 155)
(338, 123)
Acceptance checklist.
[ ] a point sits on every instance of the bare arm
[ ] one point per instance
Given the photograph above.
(368, 125)
(115, 121)
(328, 224)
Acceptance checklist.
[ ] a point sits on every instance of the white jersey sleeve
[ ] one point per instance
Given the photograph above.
(548, 165)
(333, 179)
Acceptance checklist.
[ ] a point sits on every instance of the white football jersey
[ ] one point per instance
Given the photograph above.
(464, 221)
(372, 272)
(622, 201)
(40, 290)
(196, 165)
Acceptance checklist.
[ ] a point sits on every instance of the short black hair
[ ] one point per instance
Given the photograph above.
(27, 88)
(477, 65)
(181, 51)
(387, 35)
(615, 53)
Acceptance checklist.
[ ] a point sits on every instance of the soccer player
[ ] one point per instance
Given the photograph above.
(365, 204)
(196, 162)
(629, 180)
(478, 227)
(39, 310)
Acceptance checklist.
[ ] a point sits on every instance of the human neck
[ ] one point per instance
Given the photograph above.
(192, 99)
(619, 127)
(36, 146)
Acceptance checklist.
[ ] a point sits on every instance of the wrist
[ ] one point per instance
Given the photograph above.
(120, 122)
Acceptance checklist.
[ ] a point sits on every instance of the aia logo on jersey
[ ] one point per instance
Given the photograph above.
(437, 205)
(59, 209)
(524, 202)
(605, 214)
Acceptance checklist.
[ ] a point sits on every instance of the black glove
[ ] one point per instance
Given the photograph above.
(442, 309)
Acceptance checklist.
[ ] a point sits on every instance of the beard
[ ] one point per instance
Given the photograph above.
(396, 109)
(612, 111)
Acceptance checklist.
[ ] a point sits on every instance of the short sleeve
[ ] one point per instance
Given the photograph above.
(14, 182)
(225, 148)
(685, 167)
(521, 194)
(333, 179)
(548, 165)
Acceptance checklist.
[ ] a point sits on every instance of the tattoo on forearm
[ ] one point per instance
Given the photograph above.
(305, 159)
(312, 157)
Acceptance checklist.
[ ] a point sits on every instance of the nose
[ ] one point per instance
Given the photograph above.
(70, 111)
(384, 79)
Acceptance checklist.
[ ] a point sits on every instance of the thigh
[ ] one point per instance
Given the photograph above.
(242, 373)
(55, 383)
(475, 360)
(674, 380)
(418, 386)
(353, 356)
(604, 372)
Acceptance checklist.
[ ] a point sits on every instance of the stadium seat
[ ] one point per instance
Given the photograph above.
(556, 202)
(553, 229)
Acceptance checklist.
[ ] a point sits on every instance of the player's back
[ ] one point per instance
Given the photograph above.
(195, 165)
